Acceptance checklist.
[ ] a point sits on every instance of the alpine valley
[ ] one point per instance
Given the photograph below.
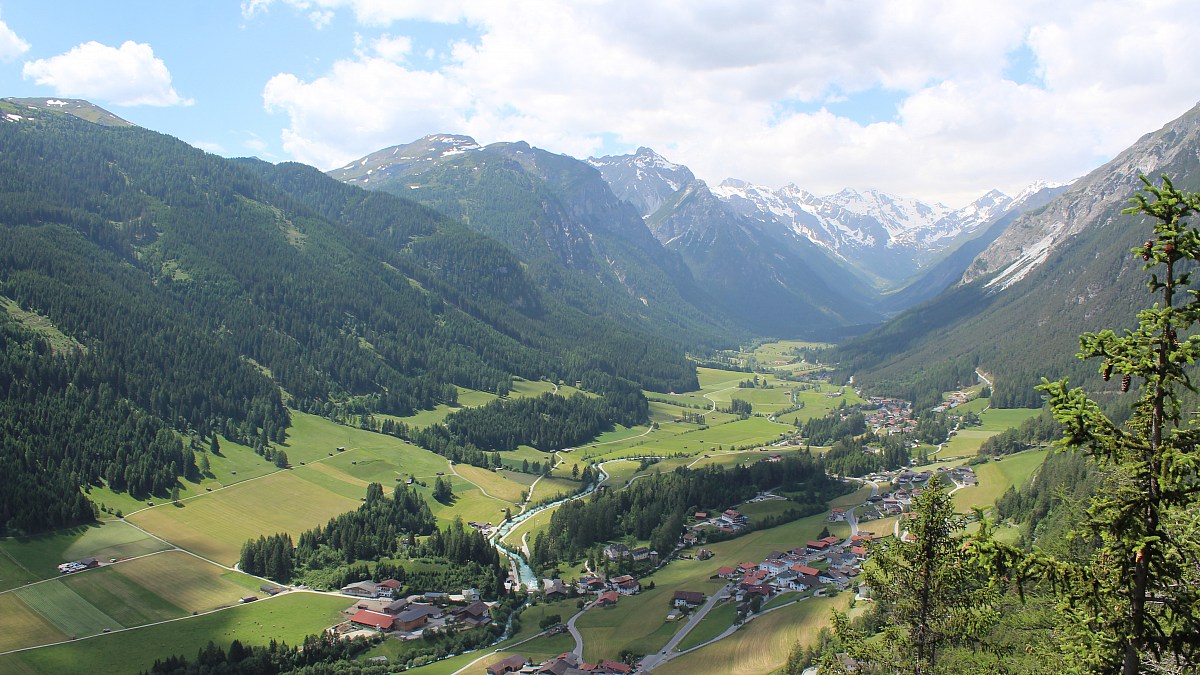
(553, 406)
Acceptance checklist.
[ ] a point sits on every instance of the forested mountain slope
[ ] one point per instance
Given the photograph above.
(559, 217)
(151, 288)
(772, 281)
(1053, 274)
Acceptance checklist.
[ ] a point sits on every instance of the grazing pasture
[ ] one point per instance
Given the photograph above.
(763, 644)
(40, 555)
(287, 618)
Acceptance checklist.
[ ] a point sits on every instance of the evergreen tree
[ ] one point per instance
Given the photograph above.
(1135, 603)
(926, 588)
(442, 490)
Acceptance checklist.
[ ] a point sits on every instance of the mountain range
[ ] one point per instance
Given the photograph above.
(143, 279)
(784, 263)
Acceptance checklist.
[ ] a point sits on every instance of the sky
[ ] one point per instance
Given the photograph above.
(940, 100)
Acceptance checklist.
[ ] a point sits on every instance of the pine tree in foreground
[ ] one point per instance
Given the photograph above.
(1134, 606)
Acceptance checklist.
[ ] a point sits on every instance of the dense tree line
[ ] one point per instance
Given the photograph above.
(316, 654)
(375, 529)
(467, 550)
(376, 539)
(655, 508)
(837, 424)
(859, 456)
(1031, 432)
(58, 435)
(548, 422)
(196, 289)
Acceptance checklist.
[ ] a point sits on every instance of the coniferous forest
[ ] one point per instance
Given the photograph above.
(186, 293)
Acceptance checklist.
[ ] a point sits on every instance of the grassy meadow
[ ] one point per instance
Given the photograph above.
(244, 496)
(287, 618)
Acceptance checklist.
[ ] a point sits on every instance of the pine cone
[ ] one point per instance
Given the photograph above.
(1125, 382)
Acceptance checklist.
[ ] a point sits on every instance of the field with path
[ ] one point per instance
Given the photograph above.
(763, 644)
(968, 439)
(996, 477)
(157, 587)
(287, 618)
(38, 557)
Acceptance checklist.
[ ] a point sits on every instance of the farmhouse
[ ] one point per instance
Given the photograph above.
(625, 585)
(607, 599)
(382, 605)
(589, 584)
(362, 589)
(374, 619)
(687, 599)
(509, 665)
(616, 551)
(555, 588)
(415, 617)
(473, 615)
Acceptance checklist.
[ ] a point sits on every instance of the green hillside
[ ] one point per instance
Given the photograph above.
(155, 293)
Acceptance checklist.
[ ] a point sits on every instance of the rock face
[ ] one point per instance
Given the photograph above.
(1091, 202)
(554, 212)
(883, 238)
(643, 179)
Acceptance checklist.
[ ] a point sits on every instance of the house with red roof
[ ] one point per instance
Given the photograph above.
(365, 617)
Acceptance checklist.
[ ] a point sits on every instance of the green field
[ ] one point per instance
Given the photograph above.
(12, 574)
(493, 483)
(713, 624)
(21, 626)
(66, 609)
(216, 524)
(153, 588)
(996, 477)
(287, 618)
(39, 556)
(216, 528)
(763, 644)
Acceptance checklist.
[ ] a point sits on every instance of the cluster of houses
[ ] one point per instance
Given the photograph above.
(607, 591)
(617, 552)
(408, 618)
(891, 415)
(563, 664)
(486, 529)
(78, 565)
(953, 400)
(817, 564)
(729, 520)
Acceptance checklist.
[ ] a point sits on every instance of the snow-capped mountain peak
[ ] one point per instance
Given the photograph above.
(645, 179)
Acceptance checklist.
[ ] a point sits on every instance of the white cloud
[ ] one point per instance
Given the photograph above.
(210, 146)
(366, 103)
(130, 75)
(734, 89)
(11, 45)
(368, 12)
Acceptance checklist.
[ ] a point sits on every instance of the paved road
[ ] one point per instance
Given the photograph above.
(654, 660)
(578, 650)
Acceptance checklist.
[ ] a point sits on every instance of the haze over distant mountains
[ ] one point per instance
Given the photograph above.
(778, 262)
